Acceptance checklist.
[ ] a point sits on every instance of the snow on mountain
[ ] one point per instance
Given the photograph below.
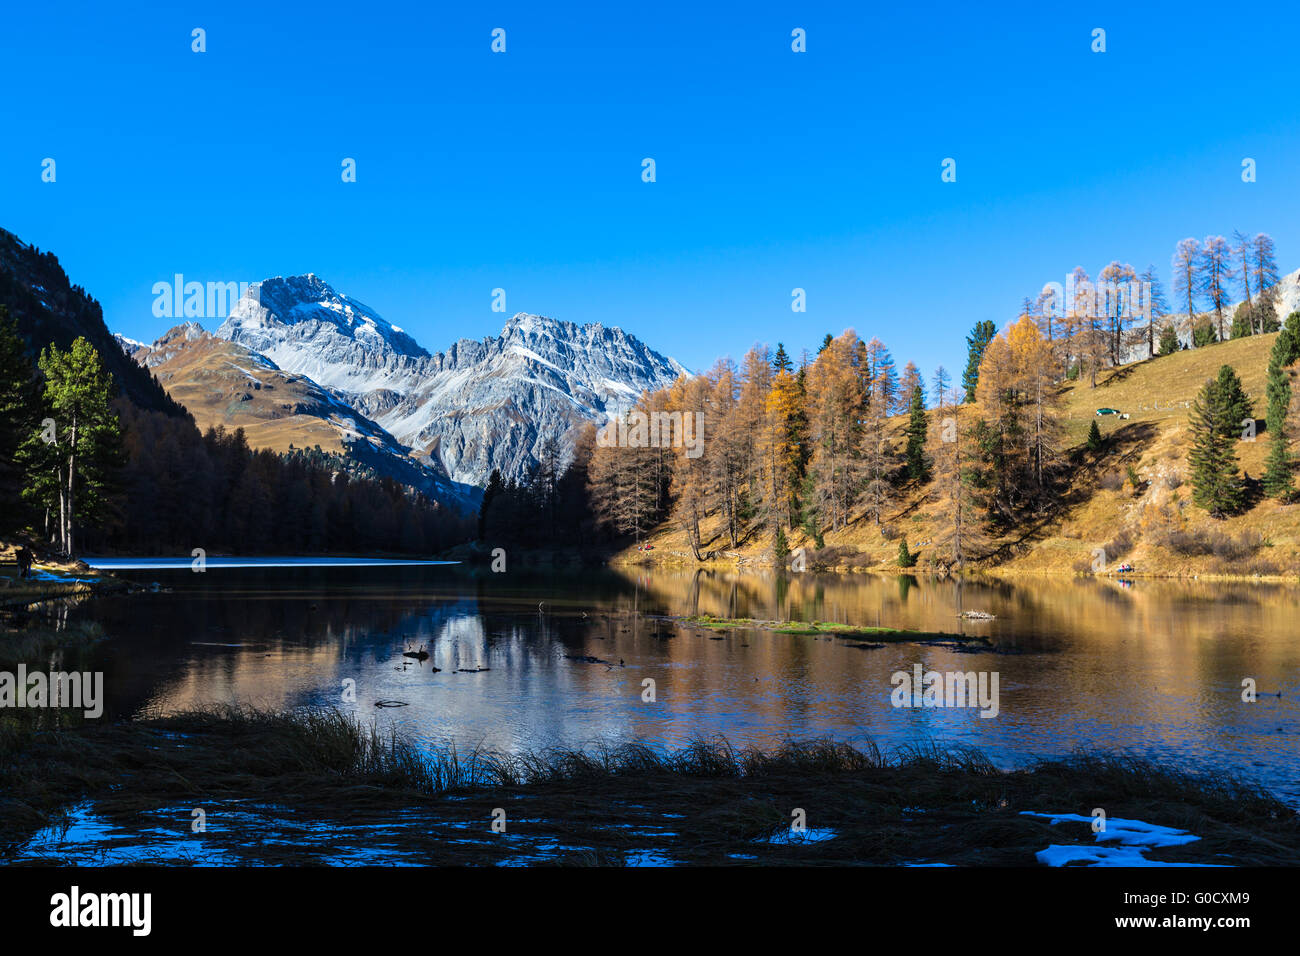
(223, 383)
(480, 405)
(303, 325)
(129, 346)
(494, 403)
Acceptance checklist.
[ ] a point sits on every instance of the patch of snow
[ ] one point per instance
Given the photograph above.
(1128, 832)
(530, 354)
(1134, 836)
(647, 858)
(614, 386)
(808, 835)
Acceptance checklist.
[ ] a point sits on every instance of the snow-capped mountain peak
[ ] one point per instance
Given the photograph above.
(302, 323)
(482, 404)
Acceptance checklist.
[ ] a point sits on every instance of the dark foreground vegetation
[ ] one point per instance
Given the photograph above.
(308, 788)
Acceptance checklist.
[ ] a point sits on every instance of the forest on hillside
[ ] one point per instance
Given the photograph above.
(814, 447)
(94, 472)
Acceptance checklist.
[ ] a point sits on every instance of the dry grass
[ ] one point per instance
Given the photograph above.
(31, 645)
(220, 384)
(322, 776)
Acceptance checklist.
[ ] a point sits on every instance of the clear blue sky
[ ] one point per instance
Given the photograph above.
(523, 171)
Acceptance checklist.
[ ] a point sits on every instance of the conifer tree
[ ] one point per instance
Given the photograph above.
(1095, 442)
(494, 488)
(19, 399)
(1277, 468)
(1168, 340)
(74, 473)
(918, 427)
(1238, 409)
(1264, 274)
(980, 336)
(1216, 485)
(782, 363)
(1203, 334)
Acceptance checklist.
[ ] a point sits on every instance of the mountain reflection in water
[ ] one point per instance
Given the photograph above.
(1156, 668)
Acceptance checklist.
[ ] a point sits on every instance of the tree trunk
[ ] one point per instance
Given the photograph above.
(72, 473)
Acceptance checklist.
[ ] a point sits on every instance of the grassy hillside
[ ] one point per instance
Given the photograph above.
(222, 383)
(1155, 526)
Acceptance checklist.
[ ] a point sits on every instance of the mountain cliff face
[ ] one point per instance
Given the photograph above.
(480, 405)
(303, 325)
(494, 403)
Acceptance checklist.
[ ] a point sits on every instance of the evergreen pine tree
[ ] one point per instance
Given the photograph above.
(1237, 408)
(75, 474)
(781, 363)
(1277, 466)
(1095, 442)
(780, 547)
(19, 399)
(494, 488)
(905, 558)
(980, 336)
(1216, 484)
(1168, 340)
(917, 427)
(1203, 334)
(1243, 321)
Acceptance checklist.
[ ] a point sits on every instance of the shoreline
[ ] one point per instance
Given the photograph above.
(295, 788)
(743, 565)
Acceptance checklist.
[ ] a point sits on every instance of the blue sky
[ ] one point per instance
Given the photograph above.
(522, 171)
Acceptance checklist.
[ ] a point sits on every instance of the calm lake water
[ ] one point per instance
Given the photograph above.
(1155, 668)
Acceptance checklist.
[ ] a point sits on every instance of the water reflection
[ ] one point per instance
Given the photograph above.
(1156, 667)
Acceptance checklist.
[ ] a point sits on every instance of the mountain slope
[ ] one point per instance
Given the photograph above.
(481, 405)
(51, 311)
(223, 383)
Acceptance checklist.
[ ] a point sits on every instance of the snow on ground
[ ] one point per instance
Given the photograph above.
(39, 575)
(1134, 836)
(240, 368)
(809, 835)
